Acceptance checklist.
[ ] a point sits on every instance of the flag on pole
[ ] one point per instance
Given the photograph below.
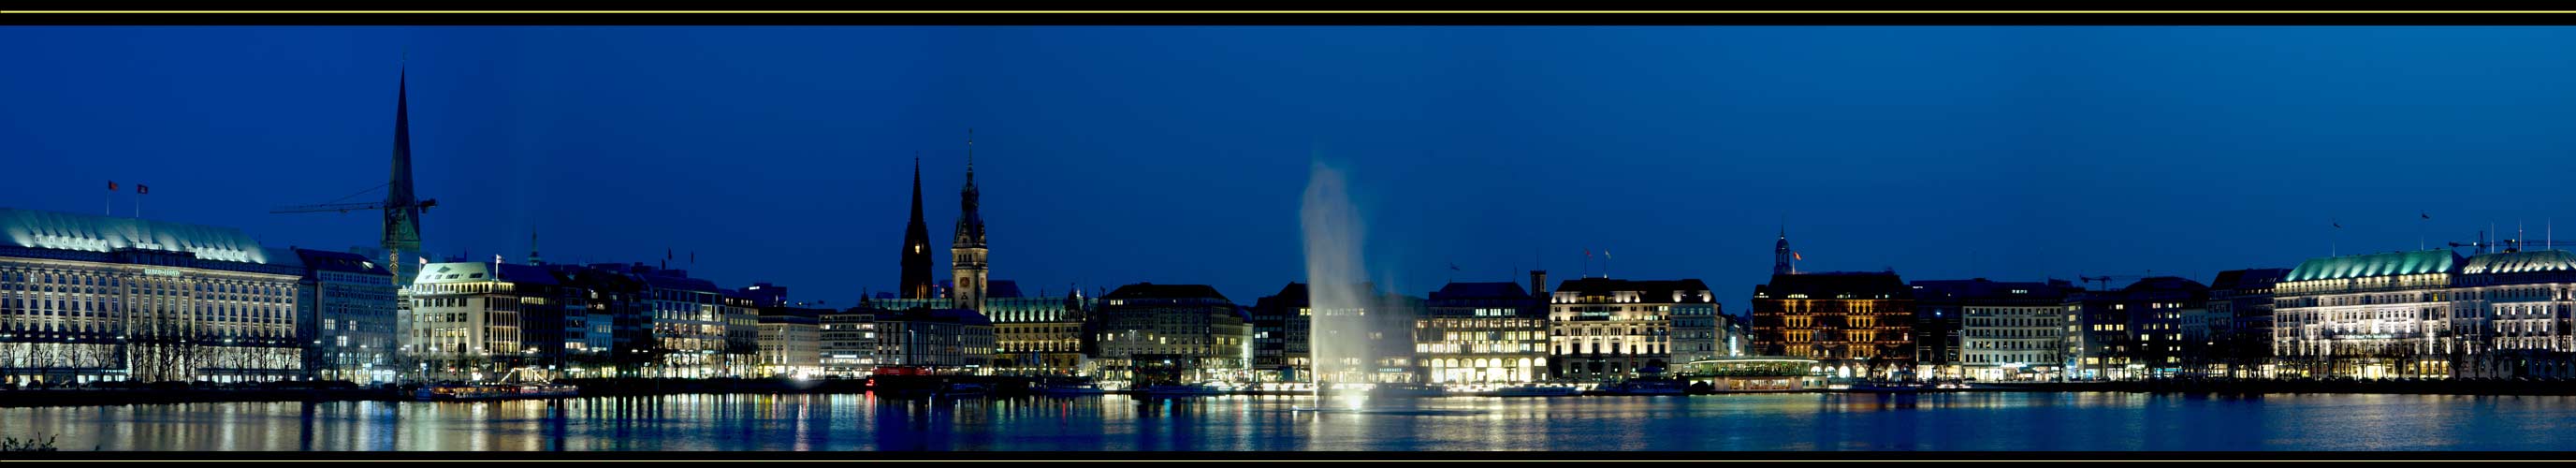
(2338, 224)
(1453, 266)
(1587, 253)
(1793, 255)
(2425, 215)
(111, 186)
(141, 189)
(1605, 254)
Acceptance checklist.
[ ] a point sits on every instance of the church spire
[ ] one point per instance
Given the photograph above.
(533, 258)
(916, 244)
(1783, 260)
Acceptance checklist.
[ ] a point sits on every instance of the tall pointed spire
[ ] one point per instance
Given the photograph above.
(1783, 261)
(967, 251)
(916, 244)
(402, 213)
(533, 258)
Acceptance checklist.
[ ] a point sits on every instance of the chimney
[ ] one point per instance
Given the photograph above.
(1538, 283)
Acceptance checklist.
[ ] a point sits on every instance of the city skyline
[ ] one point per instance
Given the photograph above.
(558, 147)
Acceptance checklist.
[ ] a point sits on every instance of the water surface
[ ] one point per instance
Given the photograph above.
(1962, 421)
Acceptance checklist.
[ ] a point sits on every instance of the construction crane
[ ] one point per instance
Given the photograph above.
(2105, 281)
(2506, 245)
(402, 210)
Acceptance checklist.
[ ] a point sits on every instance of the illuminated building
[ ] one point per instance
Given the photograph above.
(2132, 333)
(471, 318)
(1280, 329)
(1283, 326)
(1854, 324)
(691, 321)
(2235, 330)
(1167, 333)
(2519, 305)
(791, 342)
(347, 315)
(1485, 333)
(1036, 335)
(1603, 329)
(617, 335)
(941, 341)
(1996, 330)
(2370, 316)
(849, 347)
(89, 298)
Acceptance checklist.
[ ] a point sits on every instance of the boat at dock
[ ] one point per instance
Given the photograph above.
(518, 384)
(1647, 387)
(1183, 390)
(1072, 389)
(473, 392)
(1535, 390)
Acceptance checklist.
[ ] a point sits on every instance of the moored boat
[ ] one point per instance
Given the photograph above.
(1536, 390)
(1071, 389)
(472, 392)
(1647, 387)
(1183, 390)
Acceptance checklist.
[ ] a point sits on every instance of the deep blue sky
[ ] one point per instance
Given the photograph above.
(1111, 155)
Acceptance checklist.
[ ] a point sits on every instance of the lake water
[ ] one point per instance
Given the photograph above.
(1949, 421)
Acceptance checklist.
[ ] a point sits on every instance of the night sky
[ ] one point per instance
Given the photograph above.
(1112, 155)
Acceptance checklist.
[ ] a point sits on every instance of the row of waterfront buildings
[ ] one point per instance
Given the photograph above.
(2412, 314)
(89, 298)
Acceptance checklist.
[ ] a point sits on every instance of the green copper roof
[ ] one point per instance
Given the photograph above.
(2520, 262)
(2378, 264)
(96, 233)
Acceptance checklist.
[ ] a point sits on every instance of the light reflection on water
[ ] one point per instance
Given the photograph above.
(1965, 421)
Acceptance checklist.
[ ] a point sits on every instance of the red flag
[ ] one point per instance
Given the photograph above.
(1587, 253)
(1795, 255)
(141, 189)
(111, 186)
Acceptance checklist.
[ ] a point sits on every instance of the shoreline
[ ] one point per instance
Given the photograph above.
(60, 398)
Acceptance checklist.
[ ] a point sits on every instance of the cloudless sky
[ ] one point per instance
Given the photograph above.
(1113, 155)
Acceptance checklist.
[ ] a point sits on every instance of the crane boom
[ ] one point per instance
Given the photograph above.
(341, 207)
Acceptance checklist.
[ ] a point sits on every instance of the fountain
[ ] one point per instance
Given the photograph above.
(1344, 359)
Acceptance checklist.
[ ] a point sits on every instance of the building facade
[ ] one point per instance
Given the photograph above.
(791, 342)
(2236, 339)
(477, 321)
(1853, 324)
(1037, 335)
(347, 313)
(1603, 329)
(849, 347)
(939, 341)
(2514, 312)
(1485, 333)
(2371, 316)
(94, 298)
(2006, 331)
(1166, 333)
